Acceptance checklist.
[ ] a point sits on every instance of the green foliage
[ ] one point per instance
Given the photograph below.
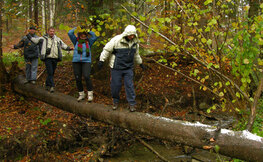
(221, 43)
(238, 160)
(258, 123)
(45, 122)
(8, 58)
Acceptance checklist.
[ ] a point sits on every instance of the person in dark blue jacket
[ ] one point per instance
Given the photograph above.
(31, 54)
(82, 60)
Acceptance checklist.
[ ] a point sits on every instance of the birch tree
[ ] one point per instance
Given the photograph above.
(52, 5)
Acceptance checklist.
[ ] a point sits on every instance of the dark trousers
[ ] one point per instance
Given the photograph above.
(31, 69)
(51, 65)
(82, 69)
(116, 84)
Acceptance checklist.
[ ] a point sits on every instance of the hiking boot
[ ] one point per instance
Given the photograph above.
(90, 96)
(26, 81)
(132, 108)
(115, 106)
(52, 90)
(47, 88)
(33, 82)
(81, 96)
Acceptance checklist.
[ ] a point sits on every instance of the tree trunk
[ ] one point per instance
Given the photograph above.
(30, 13)
(253, 108)
(36, 12)
(242, 145)
(3, 73)
(254, 8)
(43, 15)
(7, 24)
(46, 13)
(52, 11)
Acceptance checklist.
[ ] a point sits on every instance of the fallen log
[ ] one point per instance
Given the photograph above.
(238, 144)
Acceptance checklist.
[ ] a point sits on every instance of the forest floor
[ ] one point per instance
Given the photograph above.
(32, 130)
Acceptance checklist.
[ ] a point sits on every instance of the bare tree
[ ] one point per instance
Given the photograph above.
(36, 12)
(3, 73)
(43, 14)
(30, 13)
(52, 5)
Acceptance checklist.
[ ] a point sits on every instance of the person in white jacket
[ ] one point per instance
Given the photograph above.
(123, 51)
(51, 54)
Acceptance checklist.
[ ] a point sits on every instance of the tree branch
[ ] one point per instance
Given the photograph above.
(195, 58)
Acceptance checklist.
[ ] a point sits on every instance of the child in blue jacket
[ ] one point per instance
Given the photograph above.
(81, 61)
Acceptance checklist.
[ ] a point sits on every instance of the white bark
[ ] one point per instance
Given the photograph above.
(43, 15)
(52, 11)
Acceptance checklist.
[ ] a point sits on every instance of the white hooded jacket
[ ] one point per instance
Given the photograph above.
(119, 42)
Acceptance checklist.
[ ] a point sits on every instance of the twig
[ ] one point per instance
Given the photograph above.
(138, 83)
(40, 74)
(167, 103)
(194, 99)
(254, 106)
(194, 26)
(195, 58)
(185, 76)
(148, 146)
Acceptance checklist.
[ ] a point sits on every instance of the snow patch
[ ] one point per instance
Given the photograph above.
(197, 124)
(248, 135)
(243, 134)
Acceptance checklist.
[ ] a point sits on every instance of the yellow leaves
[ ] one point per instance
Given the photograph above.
(203, 40)
(246, 8)
(260, 62)
(260, 41)
(235, 25)
(221, 94)
(246, 61)
(191, 38)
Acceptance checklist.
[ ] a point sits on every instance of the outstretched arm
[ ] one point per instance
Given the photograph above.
(137, 57)
(34, 39)
(64, 46)
(20, 44)
(107, 50)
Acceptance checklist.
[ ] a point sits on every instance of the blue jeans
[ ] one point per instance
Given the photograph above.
(31, 69)
(116, 84)
(51, 65)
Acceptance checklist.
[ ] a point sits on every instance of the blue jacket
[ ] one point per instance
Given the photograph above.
(77, 57)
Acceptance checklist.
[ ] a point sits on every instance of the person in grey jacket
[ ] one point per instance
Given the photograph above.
(31, 53)
(51, 54)
(123, 51)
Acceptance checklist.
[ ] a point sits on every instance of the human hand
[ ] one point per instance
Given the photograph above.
(143, 67)
(100, 65)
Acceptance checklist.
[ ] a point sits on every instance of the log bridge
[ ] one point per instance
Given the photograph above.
(238, 144)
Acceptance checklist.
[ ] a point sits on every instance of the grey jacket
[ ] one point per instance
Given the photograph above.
(58, 45)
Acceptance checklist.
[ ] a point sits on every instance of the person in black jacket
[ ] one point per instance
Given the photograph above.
(31, 53)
